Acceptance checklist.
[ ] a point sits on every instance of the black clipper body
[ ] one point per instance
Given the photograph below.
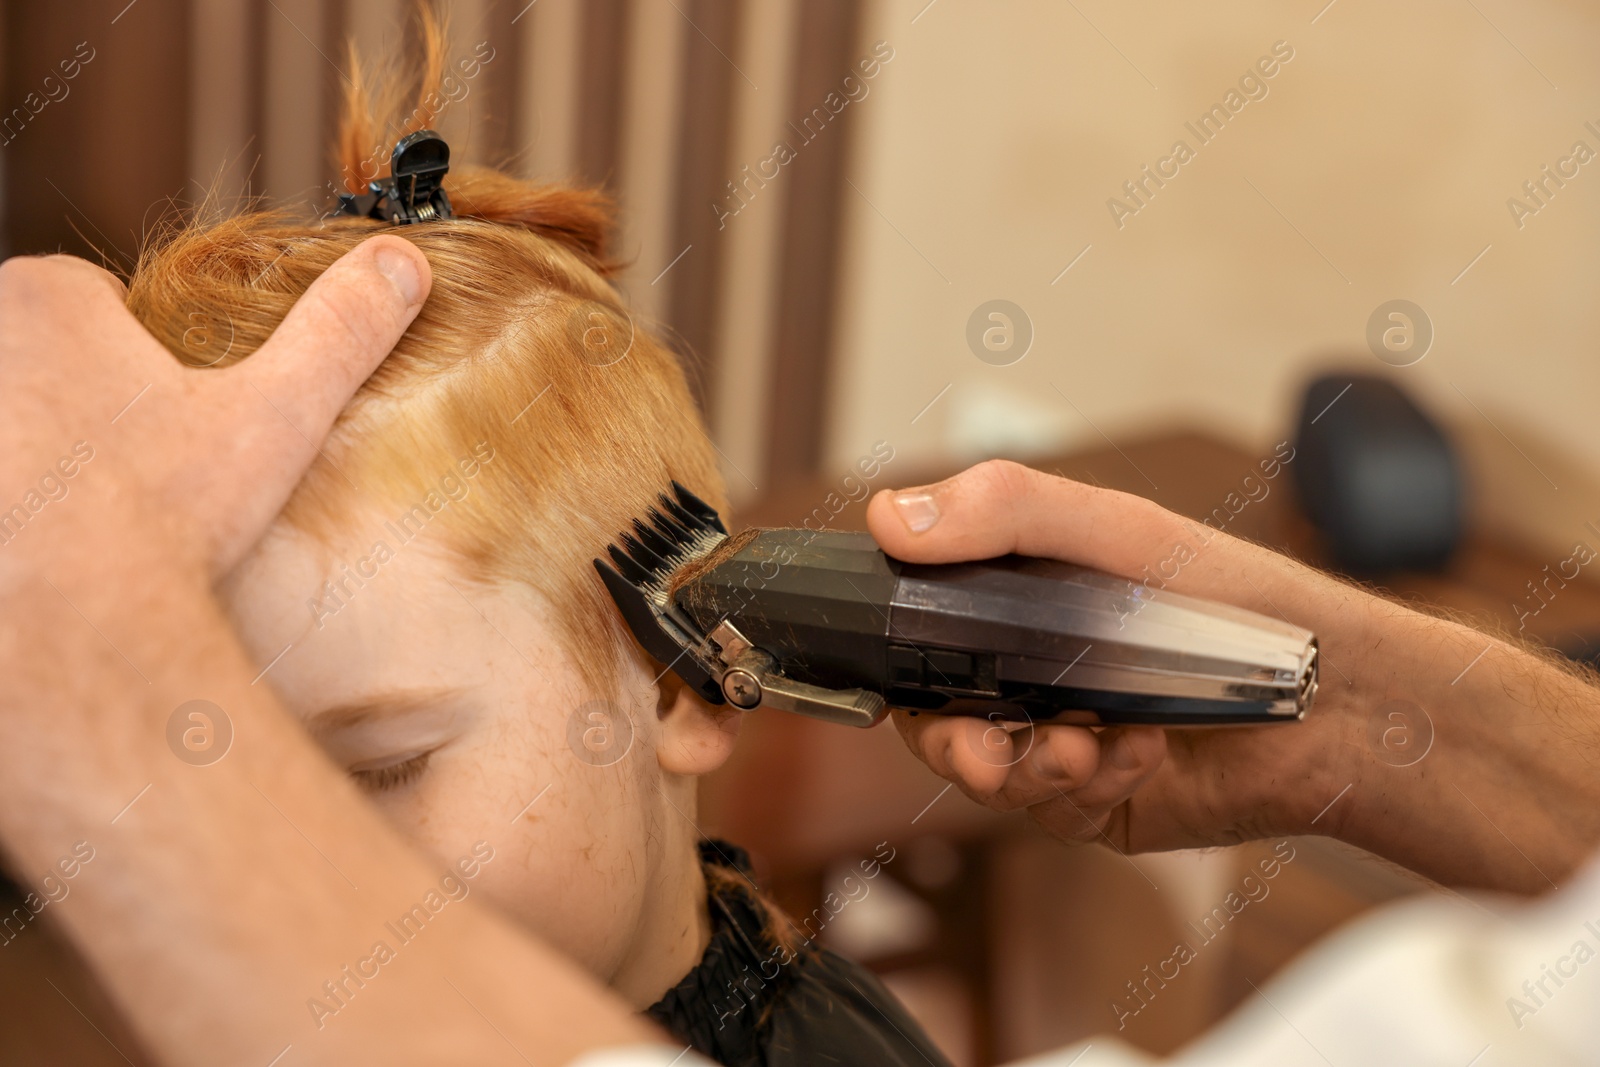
(825, 624)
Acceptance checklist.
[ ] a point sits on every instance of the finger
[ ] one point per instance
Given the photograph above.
(75, 312)
(69, 307)
(1100, 809)
(84, 270)
(1129, 755)
(330, 342)
(1047, 761)
(1002, 769)
(999, 507)
(1066, 819)
(948, 745)
(281, 402)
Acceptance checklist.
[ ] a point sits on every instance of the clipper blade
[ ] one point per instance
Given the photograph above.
(681, 529)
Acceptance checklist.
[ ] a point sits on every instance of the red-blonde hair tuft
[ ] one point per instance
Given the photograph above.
(500, 356)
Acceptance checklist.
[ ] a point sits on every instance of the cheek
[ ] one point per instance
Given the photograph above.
(577, 870)
(574, 866)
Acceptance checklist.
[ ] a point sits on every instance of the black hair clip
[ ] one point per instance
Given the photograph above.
(413, 190)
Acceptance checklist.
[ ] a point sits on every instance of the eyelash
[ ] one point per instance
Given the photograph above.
(394, 776)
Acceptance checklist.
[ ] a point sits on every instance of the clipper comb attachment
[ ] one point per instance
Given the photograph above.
(682, 528)
(720, 663)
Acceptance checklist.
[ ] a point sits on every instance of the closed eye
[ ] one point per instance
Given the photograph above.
(391, 776)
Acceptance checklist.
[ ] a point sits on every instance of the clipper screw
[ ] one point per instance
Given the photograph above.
(741, 688)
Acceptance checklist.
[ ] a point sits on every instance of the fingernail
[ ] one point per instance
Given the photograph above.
(919, 510)
(1047, 764)
(1120, 753)
(401, 270)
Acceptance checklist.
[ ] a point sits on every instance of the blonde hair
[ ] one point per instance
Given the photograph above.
(502, 353)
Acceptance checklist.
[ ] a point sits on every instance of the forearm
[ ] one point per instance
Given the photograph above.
(267, 867)
(1468, 759)
(1506, 796)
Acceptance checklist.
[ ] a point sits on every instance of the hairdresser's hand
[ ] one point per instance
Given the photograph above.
(1140, 787)
(1513, 735)
(197, 460)
(208, 914)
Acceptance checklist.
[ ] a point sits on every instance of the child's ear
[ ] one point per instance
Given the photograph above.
(696, 738)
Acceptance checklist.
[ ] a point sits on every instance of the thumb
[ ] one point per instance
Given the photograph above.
(282, 401)
(1000, 506)
(332, 340)
(972, 515)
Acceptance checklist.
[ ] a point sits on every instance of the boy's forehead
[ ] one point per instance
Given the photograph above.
(333, 624)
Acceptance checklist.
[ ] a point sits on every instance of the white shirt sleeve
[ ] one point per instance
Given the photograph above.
(642, 1056)
(1447, 981)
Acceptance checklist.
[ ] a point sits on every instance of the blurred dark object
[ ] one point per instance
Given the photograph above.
(1377, 477)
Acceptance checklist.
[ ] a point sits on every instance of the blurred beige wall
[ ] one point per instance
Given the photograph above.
(1378, 166)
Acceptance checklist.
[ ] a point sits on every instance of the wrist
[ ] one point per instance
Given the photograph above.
(1329, 754)
(1467, 755)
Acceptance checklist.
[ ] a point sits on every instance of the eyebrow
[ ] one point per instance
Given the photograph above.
(388, 702)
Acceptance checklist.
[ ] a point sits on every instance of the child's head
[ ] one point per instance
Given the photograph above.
(426, 601)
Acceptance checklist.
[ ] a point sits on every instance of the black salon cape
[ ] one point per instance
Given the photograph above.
(817, 1009)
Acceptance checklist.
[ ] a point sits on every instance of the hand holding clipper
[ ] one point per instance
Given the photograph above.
(825, 624)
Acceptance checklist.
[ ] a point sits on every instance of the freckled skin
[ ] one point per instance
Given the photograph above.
(602, 865)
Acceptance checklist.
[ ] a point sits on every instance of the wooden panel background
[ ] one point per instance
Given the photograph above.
(658, 101)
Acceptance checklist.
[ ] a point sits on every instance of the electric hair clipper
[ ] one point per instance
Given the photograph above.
(825, 624)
